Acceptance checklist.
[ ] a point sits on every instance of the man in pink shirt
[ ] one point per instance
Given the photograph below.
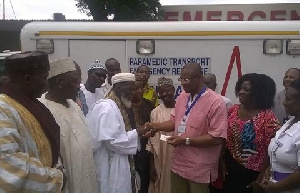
(200, 127)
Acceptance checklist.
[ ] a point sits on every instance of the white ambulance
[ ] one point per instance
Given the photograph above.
(227, 49)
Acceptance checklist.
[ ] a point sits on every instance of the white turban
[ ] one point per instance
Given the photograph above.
(60, 66)
(122, 77)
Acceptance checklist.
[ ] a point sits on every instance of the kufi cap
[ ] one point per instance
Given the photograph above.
(122, 77)
(164, 81)
(31, 61)
(60, 66)
(97, 65)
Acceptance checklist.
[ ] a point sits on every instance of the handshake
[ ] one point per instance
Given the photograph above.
(147, 130)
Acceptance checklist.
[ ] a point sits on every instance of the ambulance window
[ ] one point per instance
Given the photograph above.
(45, 45)
(145, 47)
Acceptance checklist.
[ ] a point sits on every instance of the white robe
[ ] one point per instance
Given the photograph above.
(104, 89)
(75, 147)
(91, 98)
(112, 145)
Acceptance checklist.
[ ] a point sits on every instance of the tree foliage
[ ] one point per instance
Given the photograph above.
(121, 10)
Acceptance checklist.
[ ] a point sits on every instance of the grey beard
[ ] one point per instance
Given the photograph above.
(125, 101)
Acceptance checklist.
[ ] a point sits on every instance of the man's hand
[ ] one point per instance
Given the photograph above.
(176, 141)
(150, 134)
(151, 131)
(141, 130)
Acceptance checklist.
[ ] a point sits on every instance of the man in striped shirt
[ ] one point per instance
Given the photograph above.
(29, 135)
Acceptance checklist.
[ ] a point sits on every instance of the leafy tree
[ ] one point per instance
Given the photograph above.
(121, 10)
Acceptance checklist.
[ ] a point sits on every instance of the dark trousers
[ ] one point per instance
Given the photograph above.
(142, 166)
(212, 189)
(238, 177)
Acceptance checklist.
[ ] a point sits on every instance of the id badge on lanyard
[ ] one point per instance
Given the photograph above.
(182, 127)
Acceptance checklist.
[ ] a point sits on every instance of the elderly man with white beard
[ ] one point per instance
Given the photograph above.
(115, 137)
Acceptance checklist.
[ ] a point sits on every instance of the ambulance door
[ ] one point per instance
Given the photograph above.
(84, 52)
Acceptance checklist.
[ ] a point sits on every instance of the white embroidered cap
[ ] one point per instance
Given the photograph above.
(60, 66)
(97, 65)
(122, 77)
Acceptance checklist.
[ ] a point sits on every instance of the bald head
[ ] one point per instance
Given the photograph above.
(113, 67)
(191, 78)
(210, 81)
(111, 62)
(194, 67)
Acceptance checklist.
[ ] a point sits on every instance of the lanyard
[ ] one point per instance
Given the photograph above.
(189, 108)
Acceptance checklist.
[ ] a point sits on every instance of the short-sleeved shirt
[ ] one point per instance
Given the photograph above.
(284, 148)
(208, 116)
(248, 140)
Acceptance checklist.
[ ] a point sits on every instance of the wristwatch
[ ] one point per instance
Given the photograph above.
(187, 141)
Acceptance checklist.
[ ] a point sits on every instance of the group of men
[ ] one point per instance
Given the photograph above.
(58, 135)
(48, 145)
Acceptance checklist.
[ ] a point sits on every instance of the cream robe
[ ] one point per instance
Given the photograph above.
(112, 145)
(161, 151)
(75, 147)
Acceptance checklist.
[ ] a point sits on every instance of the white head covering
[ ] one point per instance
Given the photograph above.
(60, 66)
(97, 65)
(122, 77)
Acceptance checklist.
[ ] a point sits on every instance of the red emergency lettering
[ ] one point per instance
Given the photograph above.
(171, 16)
(212, 14)
(235, 16)
(260, 14)
(294, 15)
(276, 13)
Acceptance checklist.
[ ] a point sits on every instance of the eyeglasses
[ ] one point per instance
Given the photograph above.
(186, 79)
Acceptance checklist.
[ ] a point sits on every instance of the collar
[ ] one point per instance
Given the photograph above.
(291, 131)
